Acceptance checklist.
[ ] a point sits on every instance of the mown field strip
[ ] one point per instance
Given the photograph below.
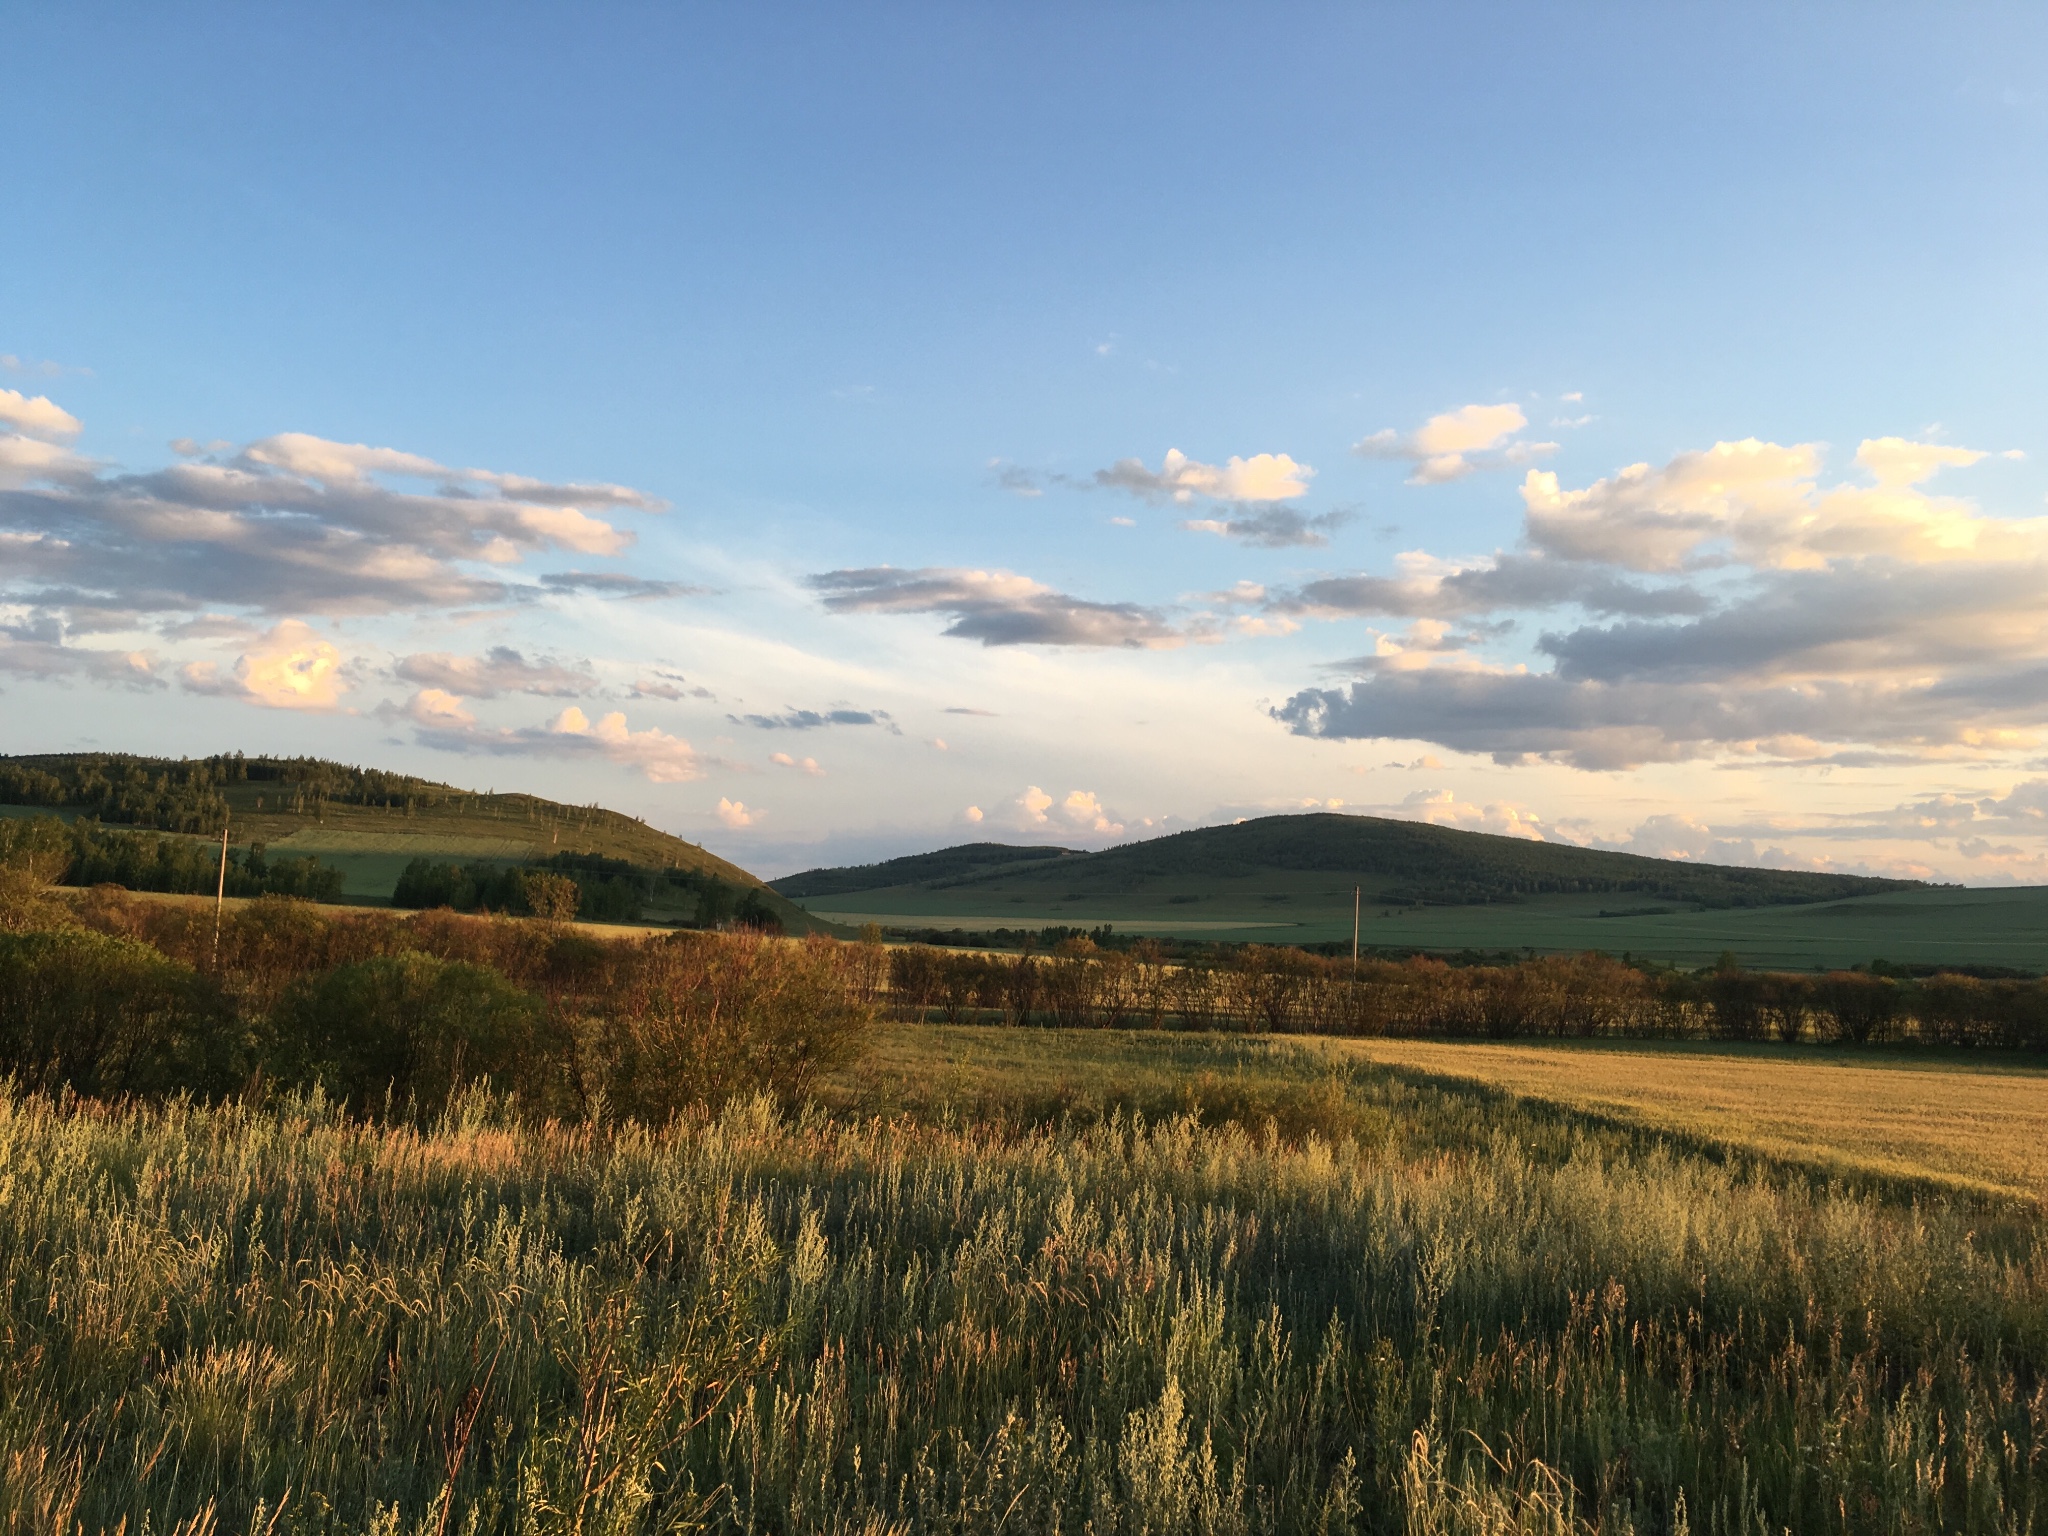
(1976, 1124)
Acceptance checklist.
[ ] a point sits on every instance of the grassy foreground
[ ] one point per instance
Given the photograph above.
(1013, 1281)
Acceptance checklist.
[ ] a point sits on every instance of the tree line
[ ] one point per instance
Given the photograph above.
(596, 889)
(85, 853)
(1284, 990)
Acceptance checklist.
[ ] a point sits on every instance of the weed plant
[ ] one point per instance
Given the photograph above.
(1424, 1311)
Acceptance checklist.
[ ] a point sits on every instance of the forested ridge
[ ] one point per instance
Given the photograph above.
(190, 794)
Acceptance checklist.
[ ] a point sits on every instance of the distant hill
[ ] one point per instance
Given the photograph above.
(948, 866)
(1397, 863)
(369, 823)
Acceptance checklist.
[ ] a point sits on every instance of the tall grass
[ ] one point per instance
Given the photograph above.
(1454, 1317)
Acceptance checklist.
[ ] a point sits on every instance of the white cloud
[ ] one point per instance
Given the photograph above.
(1080, 811)
(808, 765)
(38, 415)
(663, 758)
(499, 670)
(296, 524)
(1839, 620)
(1180, 479)
(1456, 443)
(659, 757)
(432, 706)
(1759, 504)
(1443, 808)
(972, 813)
(734, 813)
(291, 667)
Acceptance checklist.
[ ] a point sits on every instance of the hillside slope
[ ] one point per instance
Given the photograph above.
(369, 823)
(1397, 863)
(947, 866)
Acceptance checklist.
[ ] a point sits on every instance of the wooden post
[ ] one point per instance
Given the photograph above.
(1354, 928)
(220, 893)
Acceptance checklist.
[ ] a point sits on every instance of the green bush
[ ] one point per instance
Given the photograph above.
(707, 1018)
(110, 1016)
(412, 1029)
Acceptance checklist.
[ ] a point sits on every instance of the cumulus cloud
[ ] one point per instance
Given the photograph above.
(498, 671)
(661, 758)
(37, 416)
(293, 524)
(1079, 811)
(1180, 479)
(996, 607)
(1760, 505)
(807, 765)
(1273, 527)
(1844, 619)
(1443, 808)
(1454, 444)
(437, 708)
(734, 813)
(291, 667)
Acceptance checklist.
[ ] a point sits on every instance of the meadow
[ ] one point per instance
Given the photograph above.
(1131, 1284)
(354, 1222)
(1933, 926)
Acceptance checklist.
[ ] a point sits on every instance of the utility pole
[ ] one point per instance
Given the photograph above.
(1354, 928)
(220, 893)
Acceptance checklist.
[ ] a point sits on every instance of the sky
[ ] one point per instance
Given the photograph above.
(835, 432)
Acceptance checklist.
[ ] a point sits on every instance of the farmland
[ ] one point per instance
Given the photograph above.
(1289, 880)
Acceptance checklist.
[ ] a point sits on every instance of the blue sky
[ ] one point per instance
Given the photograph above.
(736, 307)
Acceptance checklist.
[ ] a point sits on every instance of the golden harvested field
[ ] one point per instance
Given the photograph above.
(1974, 1124)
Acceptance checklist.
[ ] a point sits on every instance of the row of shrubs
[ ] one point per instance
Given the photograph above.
(1266, 988)
(108, 995)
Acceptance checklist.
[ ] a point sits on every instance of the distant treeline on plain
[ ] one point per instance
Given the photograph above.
(607, 890)
(1261, 988)
(86, 853)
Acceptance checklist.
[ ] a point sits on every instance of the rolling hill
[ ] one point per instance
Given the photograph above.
(1289, 879)
(371, 824)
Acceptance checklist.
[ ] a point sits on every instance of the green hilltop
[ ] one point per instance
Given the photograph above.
(1290, 880)
(1404, 863)
(372, 825)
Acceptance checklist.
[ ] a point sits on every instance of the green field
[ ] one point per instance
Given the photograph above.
(1934, 925)
(1008, 1281)
(1290, 880)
